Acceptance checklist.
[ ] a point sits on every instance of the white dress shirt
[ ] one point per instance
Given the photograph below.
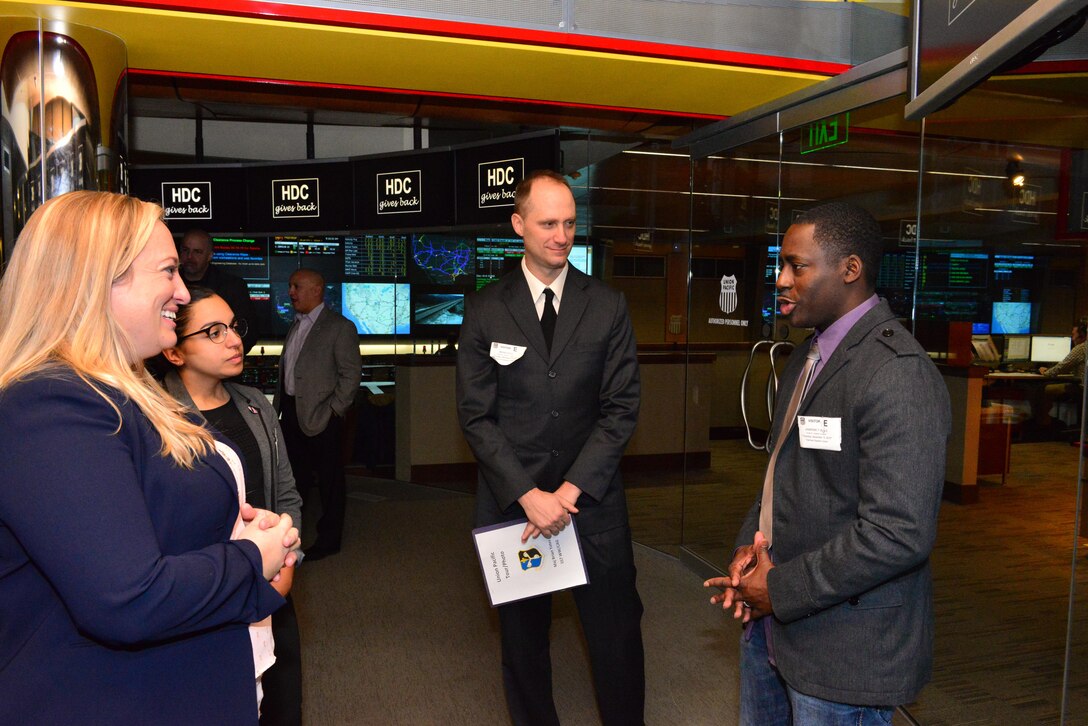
(293, 346)
(536, 288)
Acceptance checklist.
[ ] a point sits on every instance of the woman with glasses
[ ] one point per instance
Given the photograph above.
(209, 351)
(123, 598)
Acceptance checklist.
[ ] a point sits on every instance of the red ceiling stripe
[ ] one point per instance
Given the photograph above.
(137, 72)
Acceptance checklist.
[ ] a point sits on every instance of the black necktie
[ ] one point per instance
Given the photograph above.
(548, 317)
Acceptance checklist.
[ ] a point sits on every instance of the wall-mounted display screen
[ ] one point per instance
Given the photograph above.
(442, 259)
(375, 255)
(378, 308)
(1012, 318)
(442, 309)
(495, 256)
(581, 256)
(386, 284)
(954, 269)
(274, 304)
(245, 257)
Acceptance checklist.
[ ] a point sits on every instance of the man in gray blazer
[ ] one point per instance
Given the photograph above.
(831, 569)
(319, 377)
(548, 394)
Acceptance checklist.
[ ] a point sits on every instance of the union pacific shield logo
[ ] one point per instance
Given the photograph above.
(530, 558)
(728, 298)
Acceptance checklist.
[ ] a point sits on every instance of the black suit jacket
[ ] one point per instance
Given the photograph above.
(545, 418)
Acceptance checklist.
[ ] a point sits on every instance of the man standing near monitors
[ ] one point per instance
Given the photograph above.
(548, 396)
(830, 572)
(195, 257)
(319, 377)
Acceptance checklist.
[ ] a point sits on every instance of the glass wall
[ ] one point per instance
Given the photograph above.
(989, 272)
(1001, 242)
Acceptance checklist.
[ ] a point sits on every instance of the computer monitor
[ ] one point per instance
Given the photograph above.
(1011, 318)
(1050, 348)
(1017, 348)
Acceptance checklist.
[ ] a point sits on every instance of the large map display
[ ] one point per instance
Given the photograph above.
(443, 259)
(378, 308)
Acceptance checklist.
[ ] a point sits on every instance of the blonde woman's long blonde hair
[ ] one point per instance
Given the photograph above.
(55, 308)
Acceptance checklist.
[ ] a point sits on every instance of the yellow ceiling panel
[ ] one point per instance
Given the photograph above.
(303, 53)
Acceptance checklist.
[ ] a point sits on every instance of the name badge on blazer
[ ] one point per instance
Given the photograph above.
(505, 353)
(820, 432)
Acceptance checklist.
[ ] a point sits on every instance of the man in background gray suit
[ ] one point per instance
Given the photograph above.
(831, 569)
(548, 394)
(319, 377)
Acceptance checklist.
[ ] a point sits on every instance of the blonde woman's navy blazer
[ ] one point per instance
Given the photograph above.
(122, 599)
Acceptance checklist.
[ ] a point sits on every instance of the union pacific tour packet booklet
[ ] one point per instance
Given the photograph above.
(514, 571)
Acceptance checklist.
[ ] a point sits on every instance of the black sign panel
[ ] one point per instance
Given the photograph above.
(187, 200)
(400, 192)
(487, 174)
(293, 198)
(209, 197)
(496, 182)
(415, 190)
(301, 197)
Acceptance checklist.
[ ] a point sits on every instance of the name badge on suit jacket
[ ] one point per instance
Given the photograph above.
(505, 353)
(820, 432)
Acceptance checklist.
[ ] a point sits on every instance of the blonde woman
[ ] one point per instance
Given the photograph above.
(122, 598)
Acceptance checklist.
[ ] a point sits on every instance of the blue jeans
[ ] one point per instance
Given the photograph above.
(767, 700)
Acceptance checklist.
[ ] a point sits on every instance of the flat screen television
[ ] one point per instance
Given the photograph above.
(378, 308)
(274, 309)
(496, 256)
(1050, 348)
(432, 310)
(957, 45)
(245, 257)
(1011, 318)
(442, 259)
(375, 255)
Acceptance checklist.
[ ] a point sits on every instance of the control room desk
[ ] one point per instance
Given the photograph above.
(431, 449)
(980, 444)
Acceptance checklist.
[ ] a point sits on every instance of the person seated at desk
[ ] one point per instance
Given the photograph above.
(1071, 364)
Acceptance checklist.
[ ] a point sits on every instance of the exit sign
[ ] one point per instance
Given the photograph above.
(825, 133)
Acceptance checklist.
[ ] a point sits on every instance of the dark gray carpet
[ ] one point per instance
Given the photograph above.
(396, 629)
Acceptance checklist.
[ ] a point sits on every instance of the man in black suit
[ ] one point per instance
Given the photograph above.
(548, 395)
(195, 257)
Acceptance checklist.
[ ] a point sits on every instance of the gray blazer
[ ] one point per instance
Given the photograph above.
(853, 529)
(326, 373)
(279, 482)
(545, 418)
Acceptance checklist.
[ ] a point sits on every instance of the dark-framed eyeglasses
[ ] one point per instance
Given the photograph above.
(217, 332)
